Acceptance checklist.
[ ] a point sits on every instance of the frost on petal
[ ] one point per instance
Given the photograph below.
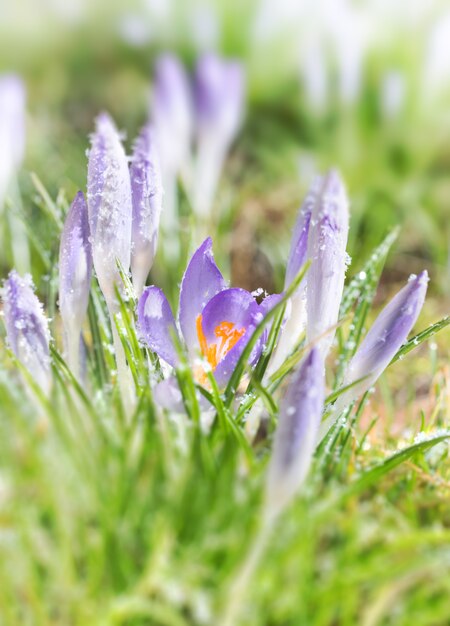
(201, 281)
(295, 438)
(27, 327)
(156, 324)
(109, 205)
(327, 252)
(146, 191)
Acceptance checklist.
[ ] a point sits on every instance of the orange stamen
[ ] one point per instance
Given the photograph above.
(214, 353)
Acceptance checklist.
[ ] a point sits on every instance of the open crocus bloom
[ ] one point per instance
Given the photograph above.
(216, 322)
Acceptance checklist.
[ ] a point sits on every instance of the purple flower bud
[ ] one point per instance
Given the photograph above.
(385, 337)
(172, 113)
(296, 308)
(109, 205)
(326, 248)
(219, 108)
(299, 242)
(146, 191)
(219, 97)
(27, 327)
(296, 434)
(12, 129)
(75, 268)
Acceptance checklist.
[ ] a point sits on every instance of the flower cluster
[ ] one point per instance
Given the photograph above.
(116, 228)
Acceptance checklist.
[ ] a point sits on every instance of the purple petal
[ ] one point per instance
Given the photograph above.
(387, 334)
(156, 324)
(146, 191)
(109, 205)
(27, 327)
(295, 438)
(201, 281)
(75, 265)
(168, 395)
(299, 243)
(326, 249)
(228, 321)
(172, 112)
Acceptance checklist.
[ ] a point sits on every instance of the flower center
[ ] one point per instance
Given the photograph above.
(227, 336)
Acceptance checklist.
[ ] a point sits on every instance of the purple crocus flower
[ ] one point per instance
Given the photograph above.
(109, 206)
(172, 113)
(386, 336)
(219, 106)
(146, 191)
(12, 129)
(295, 437)
(216, 322)
(172, 118)
(327, 242)
(27, 327)
(75, 268)
(296, 308)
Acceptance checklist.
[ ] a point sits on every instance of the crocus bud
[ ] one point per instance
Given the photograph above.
(299, 242)
(12, 129)
(146, 192)
(75, 267)
(219, 104)
(296, 307)
(172, 113)
(109, 205)
(385, 337)
(27, 327)
(296, 433)
(326, 249)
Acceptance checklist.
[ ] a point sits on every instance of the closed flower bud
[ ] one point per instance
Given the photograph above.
(27, 327)
(326, 249)
(12, 129)
(296, 434)
(172, 113)
(146, 191)
(386, 336)
(109, 205)
(75, 267)
(219, 105)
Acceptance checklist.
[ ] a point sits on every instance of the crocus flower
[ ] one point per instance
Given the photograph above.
(12, 129)
(172, 113)
(216, 322)
(386, 336)
(110, 218)
(326, 250)
(295, 437)
(172, 118)
(109, 206)
(27, 327)
(146, 191)
(219, 104)
(75, 267)
(296, 308)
